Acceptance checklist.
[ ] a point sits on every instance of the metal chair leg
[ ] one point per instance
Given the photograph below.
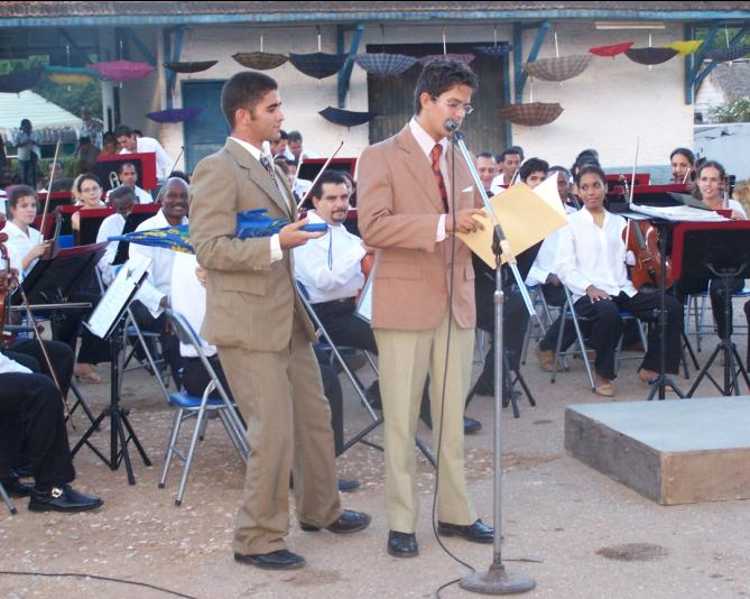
(7, 500)
(171, 447)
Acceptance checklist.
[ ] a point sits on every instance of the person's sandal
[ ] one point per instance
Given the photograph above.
(605, 390)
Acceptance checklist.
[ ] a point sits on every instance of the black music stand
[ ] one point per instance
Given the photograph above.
(718, 250)
(107, 322)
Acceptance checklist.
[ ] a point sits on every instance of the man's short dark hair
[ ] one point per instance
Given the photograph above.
(138, 132)
(294, 136)
(16, 192)
(533, 165)
(513, 150)
(244, 90)
(489, 155)
(122, 166)
(683, 152)
(334, 177)
(123, 130)
(438, 76)
(120, 193)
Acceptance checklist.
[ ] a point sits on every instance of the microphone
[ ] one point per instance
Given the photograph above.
(450, 125)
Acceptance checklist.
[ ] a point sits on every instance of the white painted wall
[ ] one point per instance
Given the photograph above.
(709, 96)
(606, 107)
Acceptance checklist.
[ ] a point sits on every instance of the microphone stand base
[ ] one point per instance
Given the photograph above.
(496, 581)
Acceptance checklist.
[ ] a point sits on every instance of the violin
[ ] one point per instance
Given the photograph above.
(643, 241)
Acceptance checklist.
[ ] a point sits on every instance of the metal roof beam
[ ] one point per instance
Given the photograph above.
(519, 75)
(345, 74)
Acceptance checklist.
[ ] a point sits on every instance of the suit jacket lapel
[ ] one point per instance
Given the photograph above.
(257, 173)
(419, 166)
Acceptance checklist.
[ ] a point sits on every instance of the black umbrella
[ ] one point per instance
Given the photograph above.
(346, 118)
(190, 67)
(18, 81)
(382, 64)
(318, 64)
(727, 54)
(175, 115)
(650, 56)
(495, 51)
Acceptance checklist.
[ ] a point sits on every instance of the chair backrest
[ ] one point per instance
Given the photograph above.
(187, 335)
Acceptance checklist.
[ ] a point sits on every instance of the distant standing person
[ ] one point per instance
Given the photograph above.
(91, 128)
(131, 143)
(294, 145)
(28, 153)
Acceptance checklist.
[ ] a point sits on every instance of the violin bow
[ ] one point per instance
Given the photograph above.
(322, 170)
(632, 189)
(296, 173)
(49, 187)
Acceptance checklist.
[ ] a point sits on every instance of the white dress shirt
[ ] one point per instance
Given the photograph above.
(111, 226)
(544, 263)
(498, 184)
(8, 366)
(159, 280)
(591, 255)
(188, 297)
(141, 196)
(329, 266)
(19, 244)
(163, 161)
(426, 142)
(276, 253)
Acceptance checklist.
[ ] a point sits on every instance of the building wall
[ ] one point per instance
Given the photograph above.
(709, 96)
(607, 107)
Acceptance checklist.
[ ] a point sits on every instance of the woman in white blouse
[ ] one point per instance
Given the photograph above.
(25, 244)
(89, 195)
(591, 263)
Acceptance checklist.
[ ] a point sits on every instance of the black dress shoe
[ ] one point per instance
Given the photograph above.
(15, 488)
(62, 499)
(347, 486)
(402, 544)
(471, 426)
(478, 532)
(348, 522)
(282, 559)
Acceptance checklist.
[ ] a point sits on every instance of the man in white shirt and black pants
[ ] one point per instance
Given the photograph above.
(130, 143)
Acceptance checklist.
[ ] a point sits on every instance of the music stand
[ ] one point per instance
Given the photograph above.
(716, 250)
(107, 322)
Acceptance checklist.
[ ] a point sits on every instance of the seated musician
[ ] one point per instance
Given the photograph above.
(542, 271)
(591, 262)
(32, 427)
(89, 195)
(188, 298)
(330, 269)
(710, 187)
(508, 164)
(682, 162)
(127, 174)
(153, 296)
(25, 247)
(122, 199)
(565, 187)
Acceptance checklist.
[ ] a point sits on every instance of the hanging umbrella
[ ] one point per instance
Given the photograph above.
(611, 50)
(464, 58)
(727, 54)
(260, 61)
(18, 81)
(650, 56)
(495, 50)
(346, 118)
(175, 115)
(122, 70)
(190, 67)
(685, 47)
(382, 64)
(558, 69)
(70, 75)
(532, 114)
(318, 64)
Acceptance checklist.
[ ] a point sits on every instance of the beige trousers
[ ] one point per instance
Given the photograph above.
(281, 398)
(404, 359)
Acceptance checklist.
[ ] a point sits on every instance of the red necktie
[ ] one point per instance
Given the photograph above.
(435, 154)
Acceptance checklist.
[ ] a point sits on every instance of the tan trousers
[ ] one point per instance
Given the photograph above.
(281, 398)
(404, 359)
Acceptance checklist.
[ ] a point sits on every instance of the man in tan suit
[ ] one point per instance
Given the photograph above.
(258, 323)
(409, 209)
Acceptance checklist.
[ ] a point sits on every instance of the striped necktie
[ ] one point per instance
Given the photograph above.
(435, 154)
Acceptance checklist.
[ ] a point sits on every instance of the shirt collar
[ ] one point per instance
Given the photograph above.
(424, 139)
(254, 152)
(314, 217)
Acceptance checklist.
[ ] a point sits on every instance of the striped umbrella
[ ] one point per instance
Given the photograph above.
(190, 67)
(260, 61)
(558, 69)
(464, 58)
(383, 64)
(531, 114)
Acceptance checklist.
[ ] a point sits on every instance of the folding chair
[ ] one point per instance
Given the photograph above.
(189, 406)
(537, 326)
(569, 313)
(7, 500)
(355, 382)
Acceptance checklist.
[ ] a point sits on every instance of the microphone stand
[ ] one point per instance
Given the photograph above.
(496, 580)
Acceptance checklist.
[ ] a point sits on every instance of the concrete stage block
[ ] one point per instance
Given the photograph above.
(675, 451)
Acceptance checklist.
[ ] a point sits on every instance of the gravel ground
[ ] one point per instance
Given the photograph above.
(576, 532)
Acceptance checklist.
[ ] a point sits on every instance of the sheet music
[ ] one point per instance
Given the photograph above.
(118, 295)
(680, 213)
(364, 305)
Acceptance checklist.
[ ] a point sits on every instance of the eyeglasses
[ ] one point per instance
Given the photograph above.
(90, 189)
(454, 105)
